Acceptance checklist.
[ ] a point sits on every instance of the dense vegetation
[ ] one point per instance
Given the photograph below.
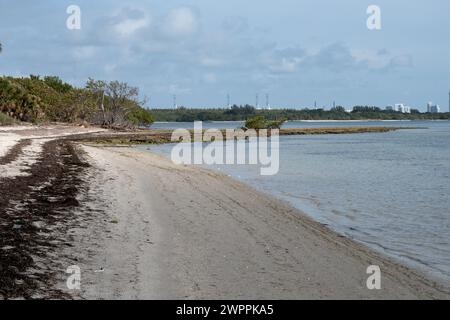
(243, 113)
(260, 122)
(32, 99)
(6, 120)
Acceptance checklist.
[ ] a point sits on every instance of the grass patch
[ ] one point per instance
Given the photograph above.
(6, 120)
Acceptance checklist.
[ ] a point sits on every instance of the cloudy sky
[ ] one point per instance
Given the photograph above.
(298, 51)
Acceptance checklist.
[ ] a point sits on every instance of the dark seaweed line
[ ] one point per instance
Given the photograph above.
(23, 208)
(14, 152)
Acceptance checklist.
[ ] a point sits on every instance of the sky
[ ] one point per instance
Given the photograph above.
(297, 51)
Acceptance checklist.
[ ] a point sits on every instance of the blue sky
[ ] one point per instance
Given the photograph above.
(298, 51)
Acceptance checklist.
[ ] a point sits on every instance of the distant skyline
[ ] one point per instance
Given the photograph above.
(201, 50)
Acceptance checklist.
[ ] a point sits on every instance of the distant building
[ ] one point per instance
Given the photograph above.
(268, 102)
(399, 107)
(433, 108)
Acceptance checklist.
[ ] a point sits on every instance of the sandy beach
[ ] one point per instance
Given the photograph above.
(141, 227)
(188, 233)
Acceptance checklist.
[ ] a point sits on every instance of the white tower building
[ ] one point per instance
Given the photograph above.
(175, 105)
(267, 102)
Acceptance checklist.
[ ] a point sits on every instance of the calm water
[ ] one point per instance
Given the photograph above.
(290, 124)
(390, 191)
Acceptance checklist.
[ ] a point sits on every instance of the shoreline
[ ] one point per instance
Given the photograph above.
(144, 228)
(161, 136)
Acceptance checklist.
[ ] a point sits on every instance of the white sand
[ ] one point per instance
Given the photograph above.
(174, 232)
(11, 135)
(7, 141)
(28, 157)
(55, 130)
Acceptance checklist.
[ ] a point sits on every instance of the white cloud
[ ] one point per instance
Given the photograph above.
(288, 65)
(122, 27)
(285, 60)
(128, 27)
(181, 22)
(382, 59)
(372, 59)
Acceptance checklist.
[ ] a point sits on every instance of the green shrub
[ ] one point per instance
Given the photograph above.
(17, 102)
(141, 117)
(57, 84)
(260, 122)
(6, 120)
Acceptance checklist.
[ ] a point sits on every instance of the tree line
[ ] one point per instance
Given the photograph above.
(246, 112)
(106, 103)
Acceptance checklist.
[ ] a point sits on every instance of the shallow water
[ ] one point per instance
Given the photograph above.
(390, 191)
(290, 124)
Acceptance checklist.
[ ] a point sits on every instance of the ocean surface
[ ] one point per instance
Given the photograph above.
(390, 191)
